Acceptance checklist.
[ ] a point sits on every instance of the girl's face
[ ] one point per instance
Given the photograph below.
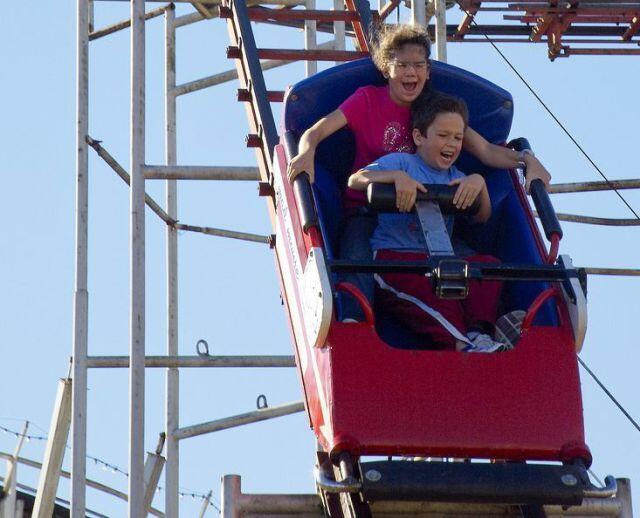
(407, 74)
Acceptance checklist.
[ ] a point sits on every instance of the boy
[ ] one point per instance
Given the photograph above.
(463, 325)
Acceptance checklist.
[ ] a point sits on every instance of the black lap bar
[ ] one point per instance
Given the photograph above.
(540, 196)
(382, 197)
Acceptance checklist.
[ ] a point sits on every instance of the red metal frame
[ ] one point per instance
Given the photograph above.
(368, 398)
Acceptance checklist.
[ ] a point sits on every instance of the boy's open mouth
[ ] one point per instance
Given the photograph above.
(447, 155)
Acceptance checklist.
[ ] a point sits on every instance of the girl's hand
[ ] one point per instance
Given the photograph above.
(535, 171)
(302, 162)
(406, 191)
(468, 190)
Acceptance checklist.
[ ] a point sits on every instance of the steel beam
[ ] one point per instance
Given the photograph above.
(136, 506)
(8, 501)
(54, 453)
(239, 420)
(198, 172)
(80, 295)
(172, 379)
(441, 30)
(175, 362)
(65, 474)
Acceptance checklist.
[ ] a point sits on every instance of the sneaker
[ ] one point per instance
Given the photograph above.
(481, 343)
(508, 328)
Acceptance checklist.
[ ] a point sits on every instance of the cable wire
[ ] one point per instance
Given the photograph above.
(524, 81)
(608, 393)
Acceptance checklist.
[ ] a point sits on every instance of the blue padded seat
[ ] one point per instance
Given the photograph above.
(507, 235)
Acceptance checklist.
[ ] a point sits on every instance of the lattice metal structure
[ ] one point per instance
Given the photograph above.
(566, 27)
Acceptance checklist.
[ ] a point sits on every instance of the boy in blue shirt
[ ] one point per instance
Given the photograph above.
(444, 324)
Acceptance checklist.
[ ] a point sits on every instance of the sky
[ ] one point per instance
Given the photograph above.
(229, 293)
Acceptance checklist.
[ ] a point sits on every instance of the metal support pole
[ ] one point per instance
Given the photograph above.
(441, 30)
(81, 295)
(239, 420)
(231, 493)
(172, 401)
(200, 172)
(152, 471)
(8, 503)
(136, 506)
(339, 28)
(418, 13)
(310, 42)
(65, 474)
(175, 362)
(54, 454)
(205, 504)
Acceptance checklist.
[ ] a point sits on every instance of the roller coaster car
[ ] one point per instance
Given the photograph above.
(371, 390)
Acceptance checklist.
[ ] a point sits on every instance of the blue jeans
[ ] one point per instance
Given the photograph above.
(355, 246)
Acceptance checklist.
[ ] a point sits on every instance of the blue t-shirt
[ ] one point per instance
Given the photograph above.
(401, 231)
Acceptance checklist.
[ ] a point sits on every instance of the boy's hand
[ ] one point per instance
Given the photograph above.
(302, 162)
(468, 190)
(406, 191)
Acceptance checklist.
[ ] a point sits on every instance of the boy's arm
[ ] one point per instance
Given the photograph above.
(503, 157)
(469, 188)
(406, 187)
(310, 139)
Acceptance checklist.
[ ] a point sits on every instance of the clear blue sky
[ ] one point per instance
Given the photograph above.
(229, 291)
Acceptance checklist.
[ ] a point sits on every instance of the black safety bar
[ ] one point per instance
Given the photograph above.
(382, 198)
(540, 196)
(301, 186)
(504, 272)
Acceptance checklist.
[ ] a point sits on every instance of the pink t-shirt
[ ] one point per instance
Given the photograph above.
(380, 127)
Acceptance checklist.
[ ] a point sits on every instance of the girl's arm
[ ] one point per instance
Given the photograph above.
(503, 157)
(406, 187)
(303, 161)
(470, 188)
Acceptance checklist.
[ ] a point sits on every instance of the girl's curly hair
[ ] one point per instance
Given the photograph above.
(391, 38)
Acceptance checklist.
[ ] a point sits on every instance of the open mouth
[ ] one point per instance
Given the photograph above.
(410, 86)
(447, 156)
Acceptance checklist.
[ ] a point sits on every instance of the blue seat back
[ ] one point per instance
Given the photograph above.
(507, 235)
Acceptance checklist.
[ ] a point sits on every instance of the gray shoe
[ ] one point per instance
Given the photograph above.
(509, 326)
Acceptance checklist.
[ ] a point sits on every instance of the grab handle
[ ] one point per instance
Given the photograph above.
(301, 187)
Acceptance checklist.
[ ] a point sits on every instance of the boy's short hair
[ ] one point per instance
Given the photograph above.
(390, 38)
(426, 108)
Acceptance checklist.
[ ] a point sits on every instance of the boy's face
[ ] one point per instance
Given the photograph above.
(408, 72)
(441, 145)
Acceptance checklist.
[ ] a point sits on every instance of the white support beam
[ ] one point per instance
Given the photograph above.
(239, 420)
(310, 39)
(418, 13)
(152, 471)
(54, 453)
(172, 379)
(441, 30)
(8, 503)
(136, 506)
(81, 295)
(200, 172)
(175, 362)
